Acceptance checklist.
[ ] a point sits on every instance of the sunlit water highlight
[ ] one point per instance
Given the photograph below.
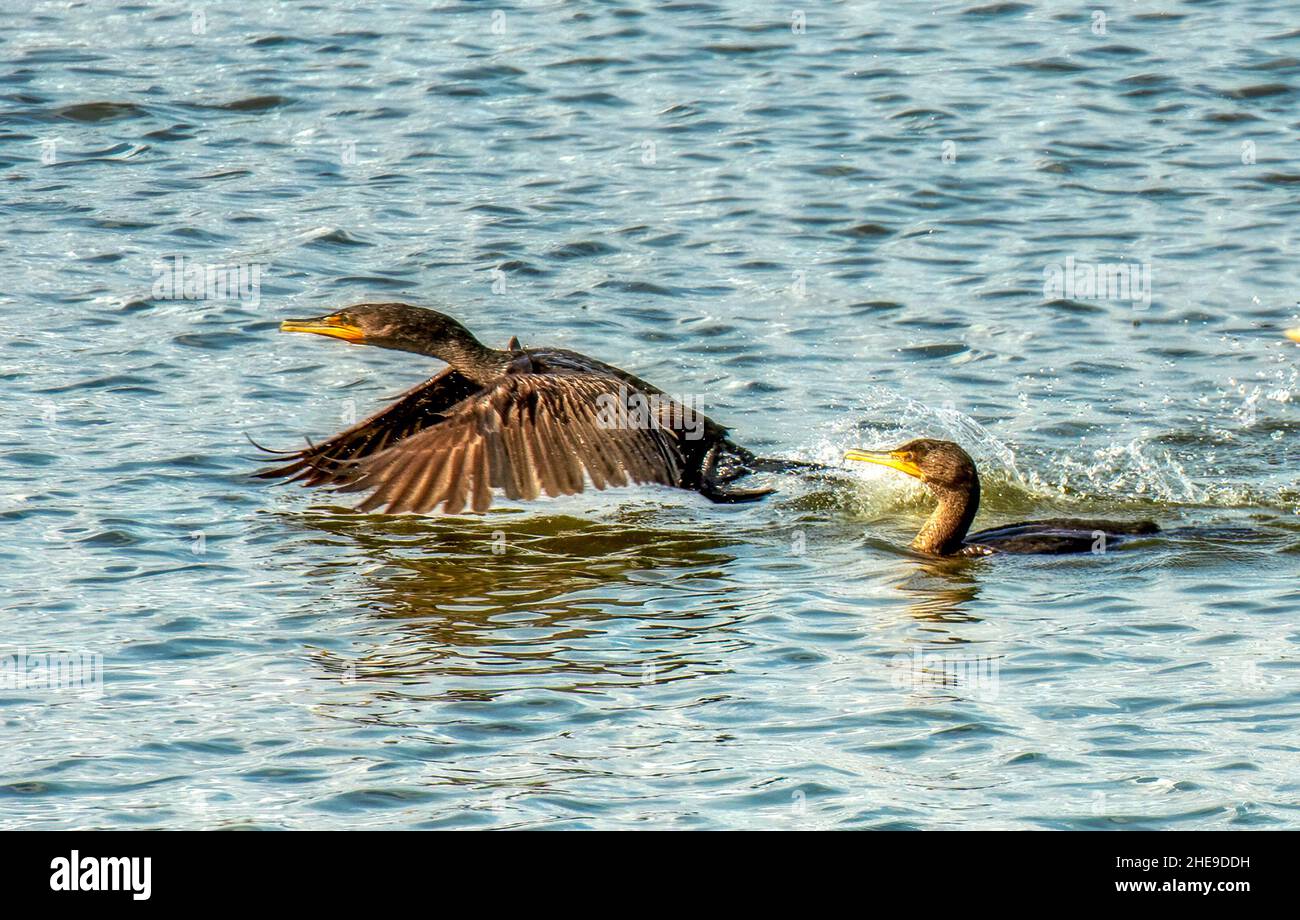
(836, 238)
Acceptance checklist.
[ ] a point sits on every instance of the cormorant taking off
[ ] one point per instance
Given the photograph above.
(523, 420)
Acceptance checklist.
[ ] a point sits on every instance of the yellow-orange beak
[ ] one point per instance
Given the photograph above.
(889, 458)
(331, 326)
(1293, 335)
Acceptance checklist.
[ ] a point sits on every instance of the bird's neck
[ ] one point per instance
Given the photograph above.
(946, 528)
(470, 357)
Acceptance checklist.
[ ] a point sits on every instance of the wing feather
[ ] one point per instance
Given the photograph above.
(525, 434)
(457, 486)
(331, 461)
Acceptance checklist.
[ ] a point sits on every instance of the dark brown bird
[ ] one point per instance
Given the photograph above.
(526, 421)
(950, 474)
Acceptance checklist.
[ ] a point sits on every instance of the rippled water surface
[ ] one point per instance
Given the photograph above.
(835, 231)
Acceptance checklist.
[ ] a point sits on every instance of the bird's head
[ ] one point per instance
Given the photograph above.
(941, 465)
(386, 325)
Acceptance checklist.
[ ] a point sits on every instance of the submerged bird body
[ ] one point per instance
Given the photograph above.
(951, 476)
(526, 421)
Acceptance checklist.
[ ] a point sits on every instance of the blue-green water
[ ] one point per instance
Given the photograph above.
(835, 231)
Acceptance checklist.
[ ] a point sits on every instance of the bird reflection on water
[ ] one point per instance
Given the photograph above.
(517, 597)
(942, 589)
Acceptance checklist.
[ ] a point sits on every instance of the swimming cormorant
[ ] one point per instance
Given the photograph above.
(950, 474)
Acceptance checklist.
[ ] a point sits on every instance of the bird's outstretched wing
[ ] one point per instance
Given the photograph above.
(525, 434)
(330, 462)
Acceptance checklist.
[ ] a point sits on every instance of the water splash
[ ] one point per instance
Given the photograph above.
(1138, 472)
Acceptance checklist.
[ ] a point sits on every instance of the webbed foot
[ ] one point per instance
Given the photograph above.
(722, 496)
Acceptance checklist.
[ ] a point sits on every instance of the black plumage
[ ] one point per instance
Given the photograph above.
(526, 421)
(950, 474)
